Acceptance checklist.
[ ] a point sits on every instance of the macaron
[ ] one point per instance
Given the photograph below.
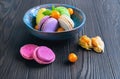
(48, 24)
(40, 15)
(63, 10)
(27, 50)
(43, 55)
(66, 22)
(43, 21)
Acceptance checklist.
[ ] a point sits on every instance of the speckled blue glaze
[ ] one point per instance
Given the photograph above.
(78, 17)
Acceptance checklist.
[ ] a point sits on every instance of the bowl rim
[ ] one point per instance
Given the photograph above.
(82, 13)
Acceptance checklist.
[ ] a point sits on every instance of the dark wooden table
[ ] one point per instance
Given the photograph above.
(103, 19)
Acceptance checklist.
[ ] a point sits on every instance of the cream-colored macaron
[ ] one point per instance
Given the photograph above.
(66, 22)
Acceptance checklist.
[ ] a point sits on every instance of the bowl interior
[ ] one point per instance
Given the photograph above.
(30, 16)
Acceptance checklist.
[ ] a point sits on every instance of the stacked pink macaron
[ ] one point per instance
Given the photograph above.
(41, 54)
(50, 20)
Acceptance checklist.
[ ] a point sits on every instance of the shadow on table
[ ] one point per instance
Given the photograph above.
(68, 63)
(30, 63)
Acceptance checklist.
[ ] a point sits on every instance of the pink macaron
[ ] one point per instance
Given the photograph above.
(43, 55)
(27, 50)
(48, 24)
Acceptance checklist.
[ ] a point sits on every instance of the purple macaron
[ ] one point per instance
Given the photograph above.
(48, 24)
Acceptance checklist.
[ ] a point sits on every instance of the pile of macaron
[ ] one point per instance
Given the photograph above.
(41, 54)
(56, 19)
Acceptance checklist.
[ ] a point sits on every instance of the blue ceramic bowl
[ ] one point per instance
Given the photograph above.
(78, 17)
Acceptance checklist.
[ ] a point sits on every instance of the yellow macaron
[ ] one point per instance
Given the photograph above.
(40, 15)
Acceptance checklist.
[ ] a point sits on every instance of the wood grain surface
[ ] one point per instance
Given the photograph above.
(103, 19)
